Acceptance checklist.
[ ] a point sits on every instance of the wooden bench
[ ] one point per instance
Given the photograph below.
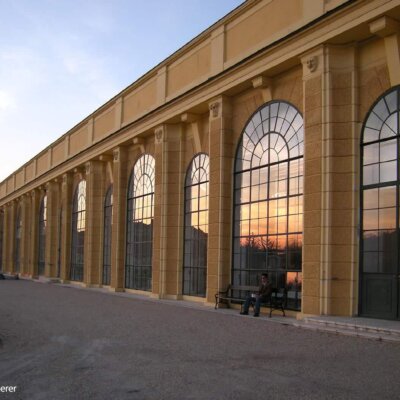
(277, 300)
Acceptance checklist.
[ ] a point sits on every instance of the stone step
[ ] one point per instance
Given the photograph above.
(351, 329)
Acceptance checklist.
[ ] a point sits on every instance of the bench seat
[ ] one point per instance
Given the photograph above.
(277, 300)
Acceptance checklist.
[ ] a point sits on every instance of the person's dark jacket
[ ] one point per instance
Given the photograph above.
(265, 290)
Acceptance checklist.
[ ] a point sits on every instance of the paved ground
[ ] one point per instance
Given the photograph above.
(65, 343)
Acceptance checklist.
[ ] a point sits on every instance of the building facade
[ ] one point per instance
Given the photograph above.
(269, 143)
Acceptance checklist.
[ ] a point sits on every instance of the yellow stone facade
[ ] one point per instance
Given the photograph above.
(330, 59)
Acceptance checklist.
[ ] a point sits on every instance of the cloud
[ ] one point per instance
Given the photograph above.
(7, 100)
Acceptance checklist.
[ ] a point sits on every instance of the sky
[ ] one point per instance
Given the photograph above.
(62, 59)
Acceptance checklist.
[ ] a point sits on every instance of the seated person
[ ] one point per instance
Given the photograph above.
(262, 295)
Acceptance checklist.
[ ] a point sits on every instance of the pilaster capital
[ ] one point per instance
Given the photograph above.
(80, 171)
(214, 109)
(66, 178)
(159, 133)
(116, 154)
(119, 154)
(220, 107)
(312, 62)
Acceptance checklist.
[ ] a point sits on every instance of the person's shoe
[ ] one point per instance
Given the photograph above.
(256, 314)
(244, 313)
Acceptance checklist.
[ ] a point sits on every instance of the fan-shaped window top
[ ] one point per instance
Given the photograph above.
(382, 121)
(198, 171)
(284, 126)
(142, 180)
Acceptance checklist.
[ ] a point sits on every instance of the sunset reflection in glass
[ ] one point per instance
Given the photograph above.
(196, 227)
(268, 200)
(380, 187)
(78, 232)
(139, 243)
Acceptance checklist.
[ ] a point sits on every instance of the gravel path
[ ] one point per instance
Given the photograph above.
(60, 342)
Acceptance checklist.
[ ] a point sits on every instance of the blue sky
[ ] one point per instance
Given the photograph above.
(60, 60)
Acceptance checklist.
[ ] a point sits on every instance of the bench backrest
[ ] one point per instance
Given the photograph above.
(245, 288)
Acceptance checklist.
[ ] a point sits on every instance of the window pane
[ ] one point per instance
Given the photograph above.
(387, 196)
(388, 171)
(371, 242)
(388, 150)
(371, 174)
(387, 218)
(371, 154)
(370, 220)
(370, 261)
(370, 198)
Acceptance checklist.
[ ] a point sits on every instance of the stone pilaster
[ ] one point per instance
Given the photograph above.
(10, 237)
(95, 188)
(6, 229)
(120, 178)
(34, 235)
(2, 216)
(53, 229)
(329, 251)
(168, 211)
(25, 259)
(66, 195)
(220, 201)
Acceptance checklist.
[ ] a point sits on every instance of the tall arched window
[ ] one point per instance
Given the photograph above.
(379, 250)
(139, 236)
(108, 207)
(268, 200)
(18, 235)
(42, 235)
(60, 222)
(78, 232)
(196, 227)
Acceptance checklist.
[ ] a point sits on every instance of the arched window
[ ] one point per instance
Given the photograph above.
(139, 236)
(18, 235)
(108, 207)
(379, 250)
(196, 227)
(42, 235)
(1, 239)
(59, 244)
(78, 232)
(268, 200)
